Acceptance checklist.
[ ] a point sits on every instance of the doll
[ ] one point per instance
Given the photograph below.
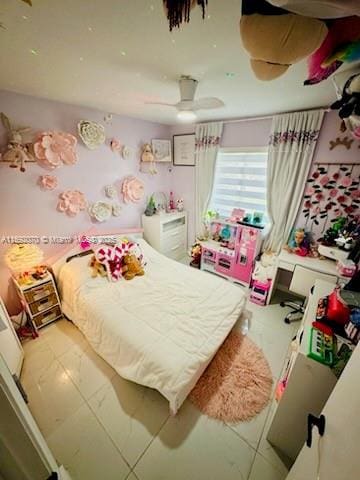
(298, 243)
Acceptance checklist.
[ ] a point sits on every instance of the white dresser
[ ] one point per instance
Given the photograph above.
(167, 233)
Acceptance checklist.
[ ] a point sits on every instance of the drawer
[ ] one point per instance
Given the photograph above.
(181, 230)
(43, 304)
(37, 293)
(290, 267)
(47, 317)
(176, 252)
(173, 224)
(170, 241)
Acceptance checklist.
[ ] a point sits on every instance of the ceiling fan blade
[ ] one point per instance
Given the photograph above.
(162, 103)
(207, 103)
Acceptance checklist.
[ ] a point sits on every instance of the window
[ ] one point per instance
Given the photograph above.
(240, 181)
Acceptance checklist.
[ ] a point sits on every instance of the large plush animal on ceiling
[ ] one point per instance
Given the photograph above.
(275, 38)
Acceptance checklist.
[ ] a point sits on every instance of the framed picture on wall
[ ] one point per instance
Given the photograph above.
(184, 150)
(161, 150)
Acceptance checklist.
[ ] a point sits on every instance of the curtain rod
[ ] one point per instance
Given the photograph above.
(266, 117)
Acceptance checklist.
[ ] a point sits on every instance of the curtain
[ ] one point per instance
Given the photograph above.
(207, 143)
(291, 148)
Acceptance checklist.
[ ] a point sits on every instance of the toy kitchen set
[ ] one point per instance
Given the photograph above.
(231, 250)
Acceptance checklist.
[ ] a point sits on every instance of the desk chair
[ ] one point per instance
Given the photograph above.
(302, 281)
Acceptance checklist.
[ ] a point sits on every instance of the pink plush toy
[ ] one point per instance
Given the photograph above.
(322, 63)
(112, 257)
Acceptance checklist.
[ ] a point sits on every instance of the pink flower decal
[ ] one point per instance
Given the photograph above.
(310, 191)
(316, 174)
(71, 202)
(355, 194)
(307, 204)
(319, 197)
(346, 181)
(53, 149)
(324, 180)
(316, 210)
(333, 192)
(115, 145)
(336, 176)
(47, 182)
(132, 189)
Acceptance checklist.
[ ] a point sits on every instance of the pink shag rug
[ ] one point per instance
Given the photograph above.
(237, 384)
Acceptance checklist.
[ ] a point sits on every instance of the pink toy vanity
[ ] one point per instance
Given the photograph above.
(231, 251)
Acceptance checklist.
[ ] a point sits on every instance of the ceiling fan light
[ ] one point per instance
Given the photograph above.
(186, 116)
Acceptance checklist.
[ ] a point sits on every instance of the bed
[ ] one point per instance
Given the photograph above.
(160, 330)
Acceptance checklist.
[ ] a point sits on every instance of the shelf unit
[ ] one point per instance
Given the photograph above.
(41, 300)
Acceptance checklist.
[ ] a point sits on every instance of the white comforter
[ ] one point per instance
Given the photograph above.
(160, 330)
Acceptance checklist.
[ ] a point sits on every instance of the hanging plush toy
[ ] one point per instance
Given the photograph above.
(349, 103)
(18, 152)
(275, 38)
(178, 11)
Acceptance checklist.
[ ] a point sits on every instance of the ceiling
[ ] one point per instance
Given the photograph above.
(115, 55)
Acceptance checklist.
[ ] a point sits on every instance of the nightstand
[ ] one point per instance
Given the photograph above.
(167, 233)
(41, 300)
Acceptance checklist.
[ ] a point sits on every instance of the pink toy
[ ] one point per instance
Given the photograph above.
(112, 257)
(259, 292)
(236, 262)
(237, 215)
(341, 32)
(71, 202)
(346, 268)
(52, 149)
(132, 189)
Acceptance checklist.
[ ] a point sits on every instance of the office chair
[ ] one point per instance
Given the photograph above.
(302, 281)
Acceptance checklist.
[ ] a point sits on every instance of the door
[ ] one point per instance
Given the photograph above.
(24, 454)
(339, 448)
(10, 346)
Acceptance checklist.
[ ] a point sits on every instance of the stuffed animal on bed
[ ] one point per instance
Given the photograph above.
(131, 267)
(97, 268)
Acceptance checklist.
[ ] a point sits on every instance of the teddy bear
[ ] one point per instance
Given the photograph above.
(131, 267)
(97, 268)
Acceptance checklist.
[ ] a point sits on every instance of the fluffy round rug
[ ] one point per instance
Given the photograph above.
(236, 386)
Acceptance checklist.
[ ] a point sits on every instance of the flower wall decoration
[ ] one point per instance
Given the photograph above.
(100, 211)
(91, 133)
(331, 191)
(110, 191)
(47, 182)
(116, 210)
(53, 149)
(132, 189)
(71, 202)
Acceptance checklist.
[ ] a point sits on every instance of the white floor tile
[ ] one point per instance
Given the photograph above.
(61, 336)
(53, 398)
(263, 470)
(37, 358)
(85, 450)
(192, 446)
(86, 368)
(131, 414)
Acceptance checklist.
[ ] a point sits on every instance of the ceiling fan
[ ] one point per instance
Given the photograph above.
(188, 105)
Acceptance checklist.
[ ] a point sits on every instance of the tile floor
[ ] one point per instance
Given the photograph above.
(101, 426)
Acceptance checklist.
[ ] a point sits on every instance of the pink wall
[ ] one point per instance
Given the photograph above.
(26, 210)
(255, 133)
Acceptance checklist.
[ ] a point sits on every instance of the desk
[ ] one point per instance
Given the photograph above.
(288, 261)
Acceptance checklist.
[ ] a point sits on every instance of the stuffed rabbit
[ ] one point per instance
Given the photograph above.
(17, 152)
